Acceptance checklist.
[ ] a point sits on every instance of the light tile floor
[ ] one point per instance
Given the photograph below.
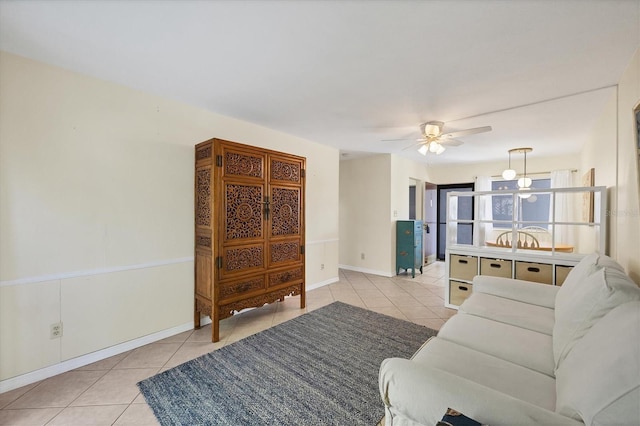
(105, 392)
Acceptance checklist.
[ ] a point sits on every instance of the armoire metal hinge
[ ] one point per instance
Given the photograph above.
(219, 160)
(219, 262)
(303, 172)
(301, 249)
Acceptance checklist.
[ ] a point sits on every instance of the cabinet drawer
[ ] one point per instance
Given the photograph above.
(284, 277)
(458, 292)
(495, 267)
(537, 272)
(231, 289)
(463, 267)
(561, 273)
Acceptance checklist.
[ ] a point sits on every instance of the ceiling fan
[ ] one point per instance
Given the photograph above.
(435, 141)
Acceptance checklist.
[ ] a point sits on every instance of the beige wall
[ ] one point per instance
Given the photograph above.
(96, 196)
(465, 173)
(365, 190)
(374, 193)
(603, 135)
(628, 203)
(617, 167)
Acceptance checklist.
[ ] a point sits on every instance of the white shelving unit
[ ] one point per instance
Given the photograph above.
(502, 241)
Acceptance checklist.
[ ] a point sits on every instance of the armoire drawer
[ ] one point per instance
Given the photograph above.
(495, 267)
(458, 292)
(536, 272)
(561, 273)
(463, 267)
(283, 277)
(231, 289)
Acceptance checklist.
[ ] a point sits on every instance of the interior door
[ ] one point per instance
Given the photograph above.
(465, 211)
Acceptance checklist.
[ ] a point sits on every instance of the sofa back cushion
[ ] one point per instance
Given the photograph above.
(577, 310)
(599, 381)
(587, 266)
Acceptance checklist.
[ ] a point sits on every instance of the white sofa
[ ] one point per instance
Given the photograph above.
(522, 353)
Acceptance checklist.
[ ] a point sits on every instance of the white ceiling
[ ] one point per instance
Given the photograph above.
(351, 73)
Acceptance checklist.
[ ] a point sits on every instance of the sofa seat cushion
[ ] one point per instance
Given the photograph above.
(599, 380)
(487, 370)
(508, 311)
(527, 348)
(578, 310)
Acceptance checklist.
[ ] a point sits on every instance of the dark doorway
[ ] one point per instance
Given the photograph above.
(465, 211)
(412, 202)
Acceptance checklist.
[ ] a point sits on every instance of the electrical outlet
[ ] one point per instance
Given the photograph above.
(321, 266)
(362, 256)
(55, 330)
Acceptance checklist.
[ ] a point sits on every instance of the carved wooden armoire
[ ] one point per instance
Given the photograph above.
(249, 229)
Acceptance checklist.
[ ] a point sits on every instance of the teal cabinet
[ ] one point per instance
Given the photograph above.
(409, 246)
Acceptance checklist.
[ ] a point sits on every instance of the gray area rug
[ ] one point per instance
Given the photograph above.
(317, 369)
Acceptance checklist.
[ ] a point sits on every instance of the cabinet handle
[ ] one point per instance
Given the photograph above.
(496, 265)
(266, 208)
(463, 261)
(532, 269)
(463, 288)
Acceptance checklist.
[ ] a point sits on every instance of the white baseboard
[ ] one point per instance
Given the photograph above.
(366, 270)
(81, 361)
(323, 283)
(71, 364)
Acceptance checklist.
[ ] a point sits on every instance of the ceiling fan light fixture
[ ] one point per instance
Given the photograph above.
(433, 138)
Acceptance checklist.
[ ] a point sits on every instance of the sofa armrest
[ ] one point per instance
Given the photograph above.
(419, 394)
(522, 291)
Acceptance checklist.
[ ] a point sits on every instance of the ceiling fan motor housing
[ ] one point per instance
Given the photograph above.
(433, 128)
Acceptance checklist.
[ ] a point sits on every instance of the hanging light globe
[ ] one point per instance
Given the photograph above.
(509, 174)
(524, 182)
(523, 193)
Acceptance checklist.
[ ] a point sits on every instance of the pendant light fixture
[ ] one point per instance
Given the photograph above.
(524, 182)
(509, 174)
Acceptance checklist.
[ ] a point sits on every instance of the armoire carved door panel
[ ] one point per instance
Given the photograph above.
(257, 214)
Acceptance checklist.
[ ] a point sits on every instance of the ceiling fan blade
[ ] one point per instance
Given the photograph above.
(414, 145)
(394, 140)
(450, 142)
(466, 132)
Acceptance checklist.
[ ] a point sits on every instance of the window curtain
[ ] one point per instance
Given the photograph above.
(564, 206)
(485, 210)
